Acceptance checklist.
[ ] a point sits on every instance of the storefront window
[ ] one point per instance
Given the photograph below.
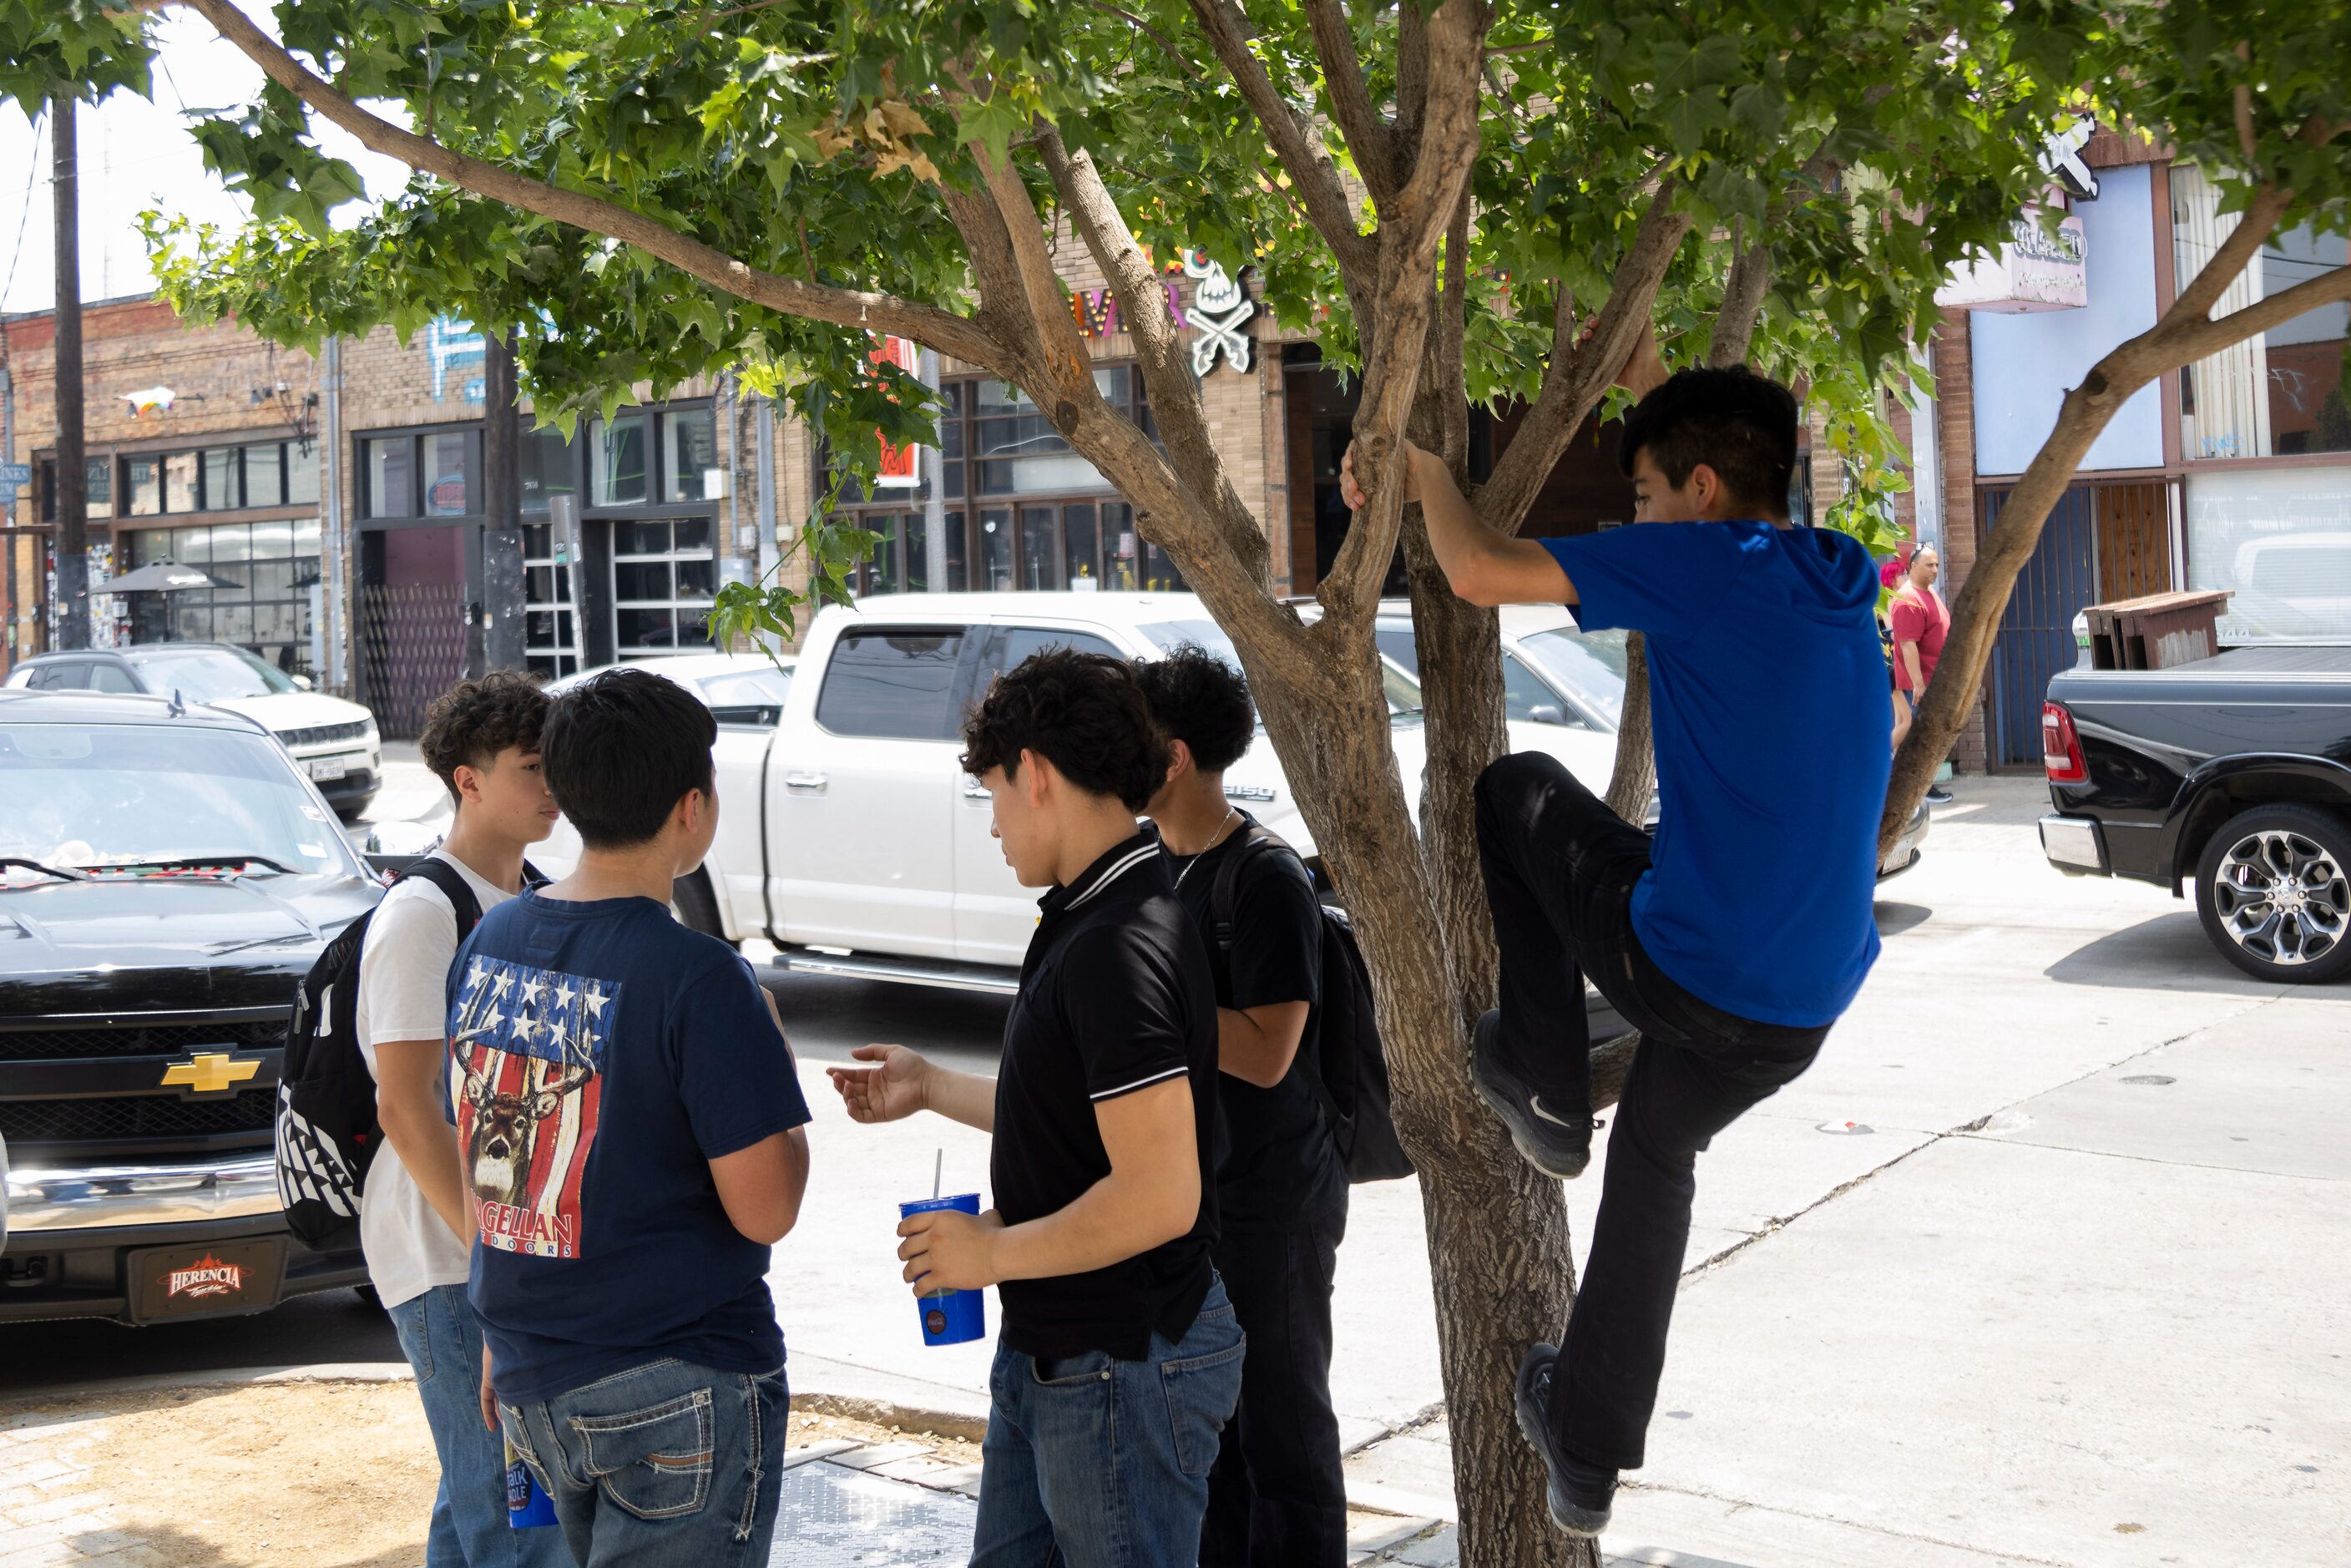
(266, 572)
(2279, 540)
(143, 481)
(689, 445)
(264, 475)
(302, 475)
(2280, 394)
(545, 468)
(616, 461)
(448, 469)
(1021, 453)
(224, 479)
(663, 580)
(388, 462)
(180, 482)
(550, 646)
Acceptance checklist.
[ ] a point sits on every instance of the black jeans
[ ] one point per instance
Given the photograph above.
(1277, 1497)
(1560, 871)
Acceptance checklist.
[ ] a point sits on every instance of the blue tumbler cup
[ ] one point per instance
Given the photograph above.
(950, 1317)
(527, 1504)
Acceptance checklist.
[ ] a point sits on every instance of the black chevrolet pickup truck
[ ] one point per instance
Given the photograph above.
(2233, 772)
(167, 876)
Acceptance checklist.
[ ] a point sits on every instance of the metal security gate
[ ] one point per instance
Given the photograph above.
(2036, 631)
(412, 649)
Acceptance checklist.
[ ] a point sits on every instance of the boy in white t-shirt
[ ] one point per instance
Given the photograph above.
(481, 738)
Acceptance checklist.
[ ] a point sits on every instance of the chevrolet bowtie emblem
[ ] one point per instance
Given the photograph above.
(210, 1072)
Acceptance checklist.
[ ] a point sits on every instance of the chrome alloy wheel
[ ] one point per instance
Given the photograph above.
(2282, 897)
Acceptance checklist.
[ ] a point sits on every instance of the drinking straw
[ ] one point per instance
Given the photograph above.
(938, 1169)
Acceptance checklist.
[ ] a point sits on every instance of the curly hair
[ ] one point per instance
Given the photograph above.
(1083, 713)
(472, 721)
(1203, 702)
(1740, 424)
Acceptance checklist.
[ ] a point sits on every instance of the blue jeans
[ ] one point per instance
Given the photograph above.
(443, 1341)
(1097, 1463)
(667, 1465)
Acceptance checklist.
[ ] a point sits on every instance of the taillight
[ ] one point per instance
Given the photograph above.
(2061, 747)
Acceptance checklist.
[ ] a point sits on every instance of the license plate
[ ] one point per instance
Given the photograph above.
(205, 1279)
(323, 768)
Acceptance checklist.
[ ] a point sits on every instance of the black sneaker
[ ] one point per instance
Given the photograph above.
(1938, 796)
(1555, 1141)
(1580, 1494)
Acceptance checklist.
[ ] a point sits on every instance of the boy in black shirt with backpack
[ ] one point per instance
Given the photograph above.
(1277, 1497)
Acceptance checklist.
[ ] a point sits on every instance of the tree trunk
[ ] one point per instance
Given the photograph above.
(1634, 778)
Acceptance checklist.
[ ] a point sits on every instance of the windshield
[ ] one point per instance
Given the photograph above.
(1588, 665)
(1402, 688)
(92, 796)
(207, 674)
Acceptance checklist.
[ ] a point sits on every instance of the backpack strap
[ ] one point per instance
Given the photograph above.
(452, 882)
(1221, 892)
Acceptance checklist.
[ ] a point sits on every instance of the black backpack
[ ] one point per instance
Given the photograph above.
(327, 1133)
(1351, 1076)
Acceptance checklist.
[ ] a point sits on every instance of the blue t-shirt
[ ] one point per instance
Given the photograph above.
(1767, 692)
(602, 1055)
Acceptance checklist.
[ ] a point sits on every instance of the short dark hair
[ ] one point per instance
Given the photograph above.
(1203, 702)
(1083, 713)
(1740, 424)
(468, 725)
(620, 749)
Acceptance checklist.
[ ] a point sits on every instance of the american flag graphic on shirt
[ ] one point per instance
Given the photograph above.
(529, 1046)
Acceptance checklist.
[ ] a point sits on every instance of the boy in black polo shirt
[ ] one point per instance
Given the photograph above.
(1119, 1361)
(1278, 1497)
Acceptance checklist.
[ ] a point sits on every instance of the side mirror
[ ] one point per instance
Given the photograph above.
(1546, 712)
(302, 684)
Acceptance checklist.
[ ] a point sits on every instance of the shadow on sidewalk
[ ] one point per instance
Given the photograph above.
(2169, 953)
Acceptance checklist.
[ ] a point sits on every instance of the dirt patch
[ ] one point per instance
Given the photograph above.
(298, 1475)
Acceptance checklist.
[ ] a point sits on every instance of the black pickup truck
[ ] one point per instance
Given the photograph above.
(2234, 772)
(167, 876)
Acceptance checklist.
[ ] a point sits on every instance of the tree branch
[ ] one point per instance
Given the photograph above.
(1143, 307)
(1580, 373)
(1297, 142)
(960, 336)
(2229, 259)
(1410, 229)
(1369, 136)
(1742, 299)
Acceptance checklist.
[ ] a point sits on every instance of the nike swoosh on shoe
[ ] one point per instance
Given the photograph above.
(1534, 1103)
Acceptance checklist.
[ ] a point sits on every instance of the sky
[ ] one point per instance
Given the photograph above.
(137, 154)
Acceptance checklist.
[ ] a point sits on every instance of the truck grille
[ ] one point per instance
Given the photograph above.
(322, 734)
(139, 1039)
(25, 1121)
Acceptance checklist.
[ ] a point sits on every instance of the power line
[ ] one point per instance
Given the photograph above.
(24, 215)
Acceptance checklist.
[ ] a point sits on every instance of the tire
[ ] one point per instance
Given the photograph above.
(2273, 890)
(696, 905)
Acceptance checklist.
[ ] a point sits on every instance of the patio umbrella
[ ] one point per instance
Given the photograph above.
(161, 577)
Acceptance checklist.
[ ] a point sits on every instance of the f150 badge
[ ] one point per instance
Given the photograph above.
(210, 1072)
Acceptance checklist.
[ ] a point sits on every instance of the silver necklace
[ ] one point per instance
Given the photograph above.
(1231, 816)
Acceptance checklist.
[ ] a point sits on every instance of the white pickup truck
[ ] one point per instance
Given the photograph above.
(850, 837)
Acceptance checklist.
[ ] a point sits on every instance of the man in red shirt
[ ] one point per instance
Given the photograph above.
(1920, 624)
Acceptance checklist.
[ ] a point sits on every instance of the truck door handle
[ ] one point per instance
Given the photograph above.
(973, 791)
(813, 782)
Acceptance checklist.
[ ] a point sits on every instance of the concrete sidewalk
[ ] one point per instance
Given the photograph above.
(1974, 1290)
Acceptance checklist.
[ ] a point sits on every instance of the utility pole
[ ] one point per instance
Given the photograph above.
(72, 629)
(502, 571)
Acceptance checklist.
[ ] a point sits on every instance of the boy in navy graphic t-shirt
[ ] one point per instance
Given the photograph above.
(1735, 939)
(629, 1126)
